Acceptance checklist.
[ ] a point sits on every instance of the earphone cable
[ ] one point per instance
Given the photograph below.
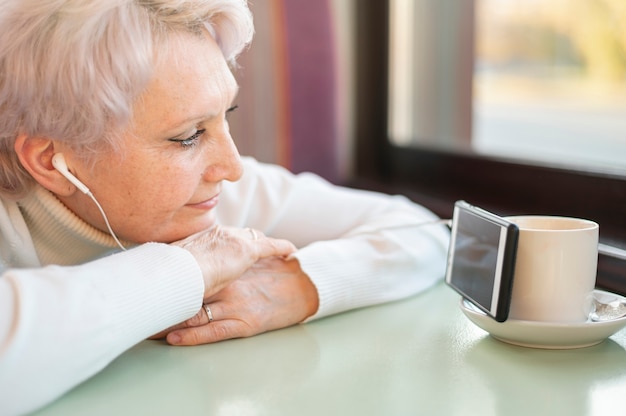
(106, 221)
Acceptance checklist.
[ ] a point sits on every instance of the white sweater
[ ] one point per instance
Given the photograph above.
(70, 303)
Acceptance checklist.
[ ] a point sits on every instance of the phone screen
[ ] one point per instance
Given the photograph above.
(481, 258)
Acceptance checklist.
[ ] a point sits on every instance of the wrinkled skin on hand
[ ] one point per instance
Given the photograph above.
(225, 253)
(274, 293)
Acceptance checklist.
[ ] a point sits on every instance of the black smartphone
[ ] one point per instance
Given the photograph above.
(481, 258)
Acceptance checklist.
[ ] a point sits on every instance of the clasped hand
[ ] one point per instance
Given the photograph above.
(252, 287)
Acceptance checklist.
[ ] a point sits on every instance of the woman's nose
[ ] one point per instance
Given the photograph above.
(225, 163)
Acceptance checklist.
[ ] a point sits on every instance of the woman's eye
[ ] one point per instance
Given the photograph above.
(191, 140)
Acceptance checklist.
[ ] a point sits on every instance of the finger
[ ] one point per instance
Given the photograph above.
(268, 247)
(206, 334)
(198, 319)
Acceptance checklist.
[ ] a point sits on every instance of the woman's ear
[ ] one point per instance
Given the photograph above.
(35, 155)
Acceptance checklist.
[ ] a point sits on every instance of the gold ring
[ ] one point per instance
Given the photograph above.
(254, 234)
(208, 312)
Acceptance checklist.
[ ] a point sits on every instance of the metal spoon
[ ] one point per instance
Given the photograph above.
(607, 311)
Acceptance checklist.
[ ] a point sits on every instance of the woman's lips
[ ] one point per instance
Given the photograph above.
(206, 205)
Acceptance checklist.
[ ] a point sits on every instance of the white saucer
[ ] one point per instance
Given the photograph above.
(546, 334)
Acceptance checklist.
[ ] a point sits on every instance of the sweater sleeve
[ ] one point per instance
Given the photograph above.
(359, 248)
(61, 325)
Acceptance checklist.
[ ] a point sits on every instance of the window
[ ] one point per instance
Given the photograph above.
(546, 81)
(439, 137)
(550, 81)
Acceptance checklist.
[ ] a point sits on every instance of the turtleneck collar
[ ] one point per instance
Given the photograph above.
(60, 237)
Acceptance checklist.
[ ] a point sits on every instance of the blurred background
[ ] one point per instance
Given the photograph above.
(296, 86)
(548, 78)
(543, 81)
(518, 106)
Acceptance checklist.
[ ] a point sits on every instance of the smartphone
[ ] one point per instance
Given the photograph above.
(481, 258)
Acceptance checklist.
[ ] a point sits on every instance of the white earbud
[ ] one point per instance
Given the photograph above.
(58, 161)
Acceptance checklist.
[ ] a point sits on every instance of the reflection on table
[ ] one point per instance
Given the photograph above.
(416, 356)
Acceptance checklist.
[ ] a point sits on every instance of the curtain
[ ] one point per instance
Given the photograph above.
(288, 100)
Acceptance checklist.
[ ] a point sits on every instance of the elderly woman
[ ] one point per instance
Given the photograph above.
(126, 210)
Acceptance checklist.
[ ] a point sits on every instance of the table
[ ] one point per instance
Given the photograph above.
(416, 356)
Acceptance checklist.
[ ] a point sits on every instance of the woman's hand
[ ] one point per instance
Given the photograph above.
(225, 253)
(274, 293)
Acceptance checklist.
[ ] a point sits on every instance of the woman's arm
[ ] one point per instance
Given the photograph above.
(356, 249)
(348, 245)
(61, 325)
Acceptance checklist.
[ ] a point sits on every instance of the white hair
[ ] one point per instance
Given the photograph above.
(71, 69)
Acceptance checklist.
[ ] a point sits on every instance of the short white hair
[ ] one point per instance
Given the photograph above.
(70, 70)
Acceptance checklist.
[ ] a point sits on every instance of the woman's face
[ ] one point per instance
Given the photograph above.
(177, 151)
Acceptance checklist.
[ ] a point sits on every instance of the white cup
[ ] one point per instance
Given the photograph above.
(555, 269)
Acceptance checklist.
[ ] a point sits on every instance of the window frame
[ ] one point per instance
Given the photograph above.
(436, 178)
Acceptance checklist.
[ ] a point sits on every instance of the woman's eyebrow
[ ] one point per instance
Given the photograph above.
(208, 115)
